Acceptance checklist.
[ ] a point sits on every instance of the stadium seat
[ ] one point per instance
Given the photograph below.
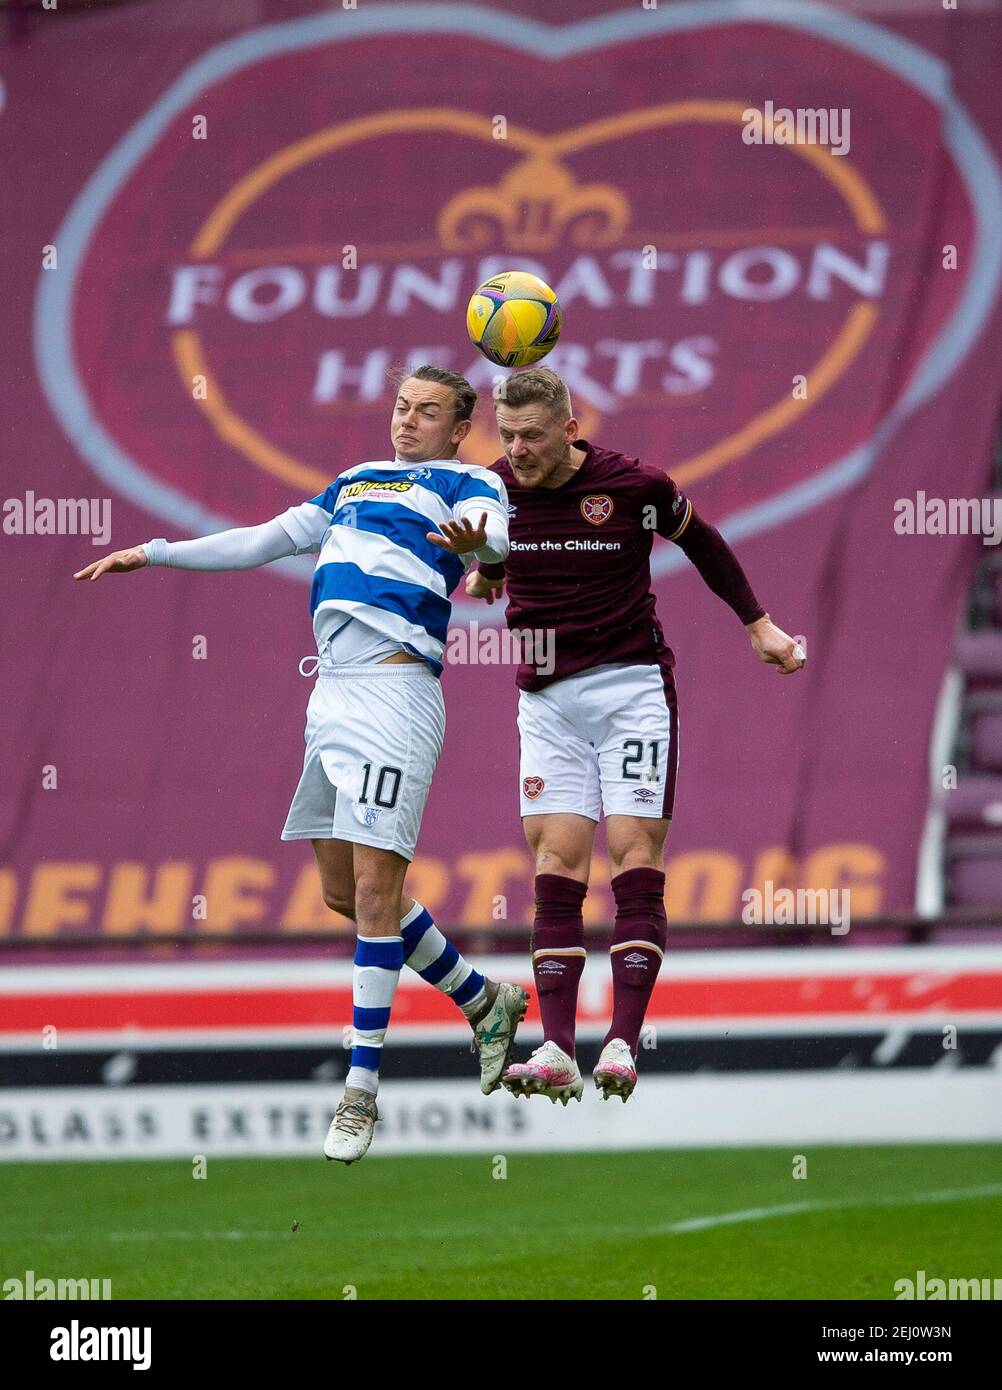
(979, 656)
(985, 739)
(975, 802)
(974, 872)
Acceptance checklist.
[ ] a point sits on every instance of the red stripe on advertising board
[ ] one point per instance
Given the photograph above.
(673, 999)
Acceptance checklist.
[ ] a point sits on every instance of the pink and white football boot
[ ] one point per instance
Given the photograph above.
(548, 1072)
(616, 1072)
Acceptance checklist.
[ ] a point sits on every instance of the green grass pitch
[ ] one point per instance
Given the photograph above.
(687, 1224)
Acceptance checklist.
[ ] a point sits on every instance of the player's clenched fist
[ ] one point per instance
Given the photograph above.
(772, 644)
(479, 586)
(119, 562)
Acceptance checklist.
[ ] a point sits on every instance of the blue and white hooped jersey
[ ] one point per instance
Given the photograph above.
(376, 563)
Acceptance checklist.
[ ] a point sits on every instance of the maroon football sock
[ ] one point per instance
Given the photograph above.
(638, 944)
(558, 955)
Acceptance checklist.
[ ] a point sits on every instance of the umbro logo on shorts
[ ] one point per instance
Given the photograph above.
(596, 508)
(532, 786)
(644, 794)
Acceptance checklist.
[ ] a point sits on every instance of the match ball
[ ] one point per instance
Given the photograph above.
(513, 318)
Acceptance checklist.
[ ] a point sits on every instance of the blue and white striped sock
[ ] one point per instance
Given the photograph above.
(436, 960)
(378, 962)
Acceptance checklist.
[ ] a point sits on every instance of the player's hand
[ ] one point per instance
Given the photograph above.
(479, 586)
(772, 644)
(119, 562)
(461, 538)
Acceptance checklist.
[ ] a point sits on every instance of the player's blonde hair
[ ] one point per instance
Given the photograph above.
(536, 385)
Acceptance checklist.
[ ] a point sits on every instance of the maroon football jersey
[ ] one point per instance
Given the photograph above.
(579, 562)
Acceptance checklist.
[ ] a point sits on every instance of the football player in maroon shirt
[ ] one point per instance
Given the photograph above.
(597, 720)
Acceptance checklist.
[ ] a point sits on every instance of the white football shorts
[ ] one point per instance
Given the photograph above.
(604, 740)
(373, 737)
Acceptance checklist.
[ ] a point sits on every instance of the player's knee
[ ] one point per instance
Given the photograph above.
(559, 860)
(339, 899)
(639, 856)
(375, 897)
(636, 845)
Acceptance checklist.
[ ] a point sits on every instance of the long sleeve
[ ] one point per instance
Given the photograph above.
(296, 531)
(719, 567)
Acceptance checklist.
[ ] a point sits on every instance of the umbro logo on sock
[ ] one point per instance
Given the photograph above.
(635, 958)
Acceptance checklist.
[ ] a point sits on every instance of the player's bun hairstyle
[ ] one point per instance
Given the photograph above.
(463, 393)
(537, 385)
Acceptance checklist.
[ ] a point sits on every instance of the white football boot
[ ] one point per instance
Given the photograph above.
(494, 1033)
(616, 1072)
(548, 1072)
(350, 1133)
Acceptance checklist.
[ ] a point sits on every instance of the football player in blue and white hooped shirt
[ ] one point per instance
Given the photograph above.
(394, 539)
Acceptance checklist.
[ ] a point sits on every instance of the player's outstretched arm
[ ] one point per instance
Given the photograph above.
(244, 547)
(770, 643)
(722, 572)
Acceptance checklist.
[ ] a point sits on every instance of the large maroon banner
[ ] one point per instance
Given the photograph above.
(223, 229)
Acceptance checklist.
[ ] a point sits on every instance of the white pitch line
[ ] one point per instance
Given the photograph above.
(734, 1218)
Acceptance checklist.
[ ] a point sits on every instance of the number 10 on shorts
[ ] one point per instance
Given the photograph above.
(386, 786)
